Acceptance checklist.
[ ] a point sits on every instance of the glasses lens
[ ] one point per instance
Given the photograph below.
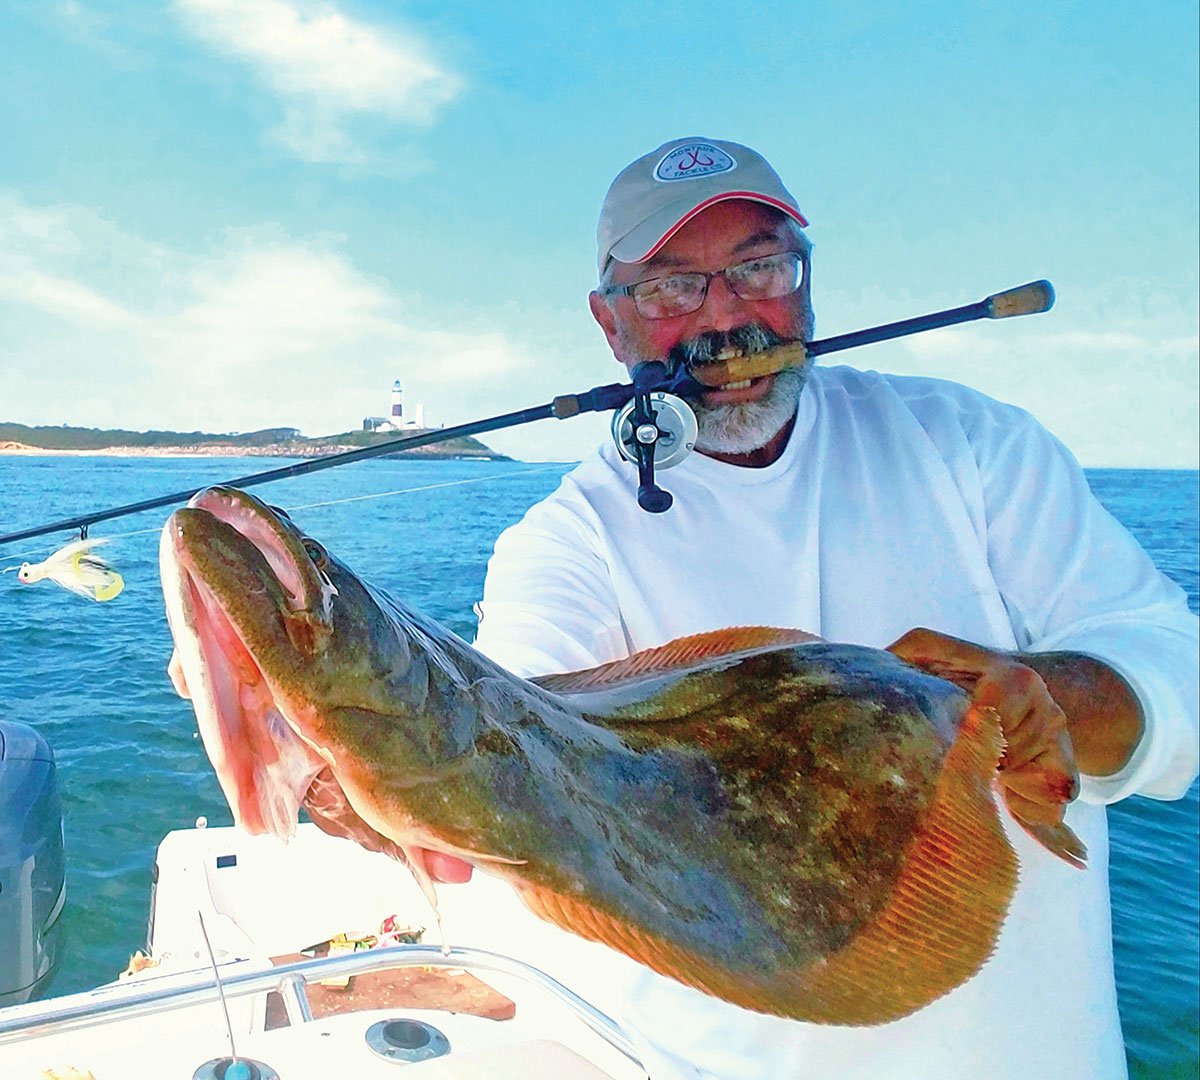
(767, 278)
(675, 294)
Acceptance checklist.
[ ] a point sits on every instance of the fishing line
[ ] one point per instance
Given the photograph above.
(318, 505)
(429, 487)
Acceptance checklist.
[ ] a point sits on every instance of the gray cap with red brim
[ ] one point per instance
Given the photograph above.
(651, 199)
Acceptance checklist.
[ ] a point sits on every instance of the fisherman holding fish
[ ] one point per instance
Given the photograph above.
(904, 513)
(876, 852)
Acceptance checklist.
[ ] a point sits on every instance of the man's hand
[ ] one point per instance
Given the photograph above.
(1038, 774)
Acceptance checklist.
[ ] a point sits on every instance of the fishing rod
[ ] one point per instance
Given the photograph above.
(653, 426)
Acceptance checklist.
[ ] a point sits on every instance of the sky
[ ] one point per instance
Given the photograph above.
(225, 215)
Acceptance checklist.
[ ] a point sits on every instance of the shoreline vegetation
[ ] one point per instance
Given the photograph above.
(19, 439)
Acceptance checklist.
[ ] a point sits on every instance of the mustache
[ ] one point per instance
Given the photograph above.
(705, 348)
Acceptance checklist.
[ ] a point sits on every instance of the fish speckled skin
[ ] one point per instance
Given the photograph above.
(801, 827)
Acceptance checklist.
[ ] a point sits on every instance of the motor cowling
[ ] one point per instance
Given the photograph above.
(32, 864)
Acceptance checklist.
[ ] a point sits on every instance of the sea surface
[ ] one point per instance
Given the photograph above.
(91, 678)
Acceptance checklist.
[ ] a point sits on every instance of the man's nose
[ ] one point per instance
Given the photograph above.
(722, 309)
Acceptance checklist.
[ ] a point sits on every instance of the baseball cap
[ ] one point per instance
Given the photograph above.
(651, 199)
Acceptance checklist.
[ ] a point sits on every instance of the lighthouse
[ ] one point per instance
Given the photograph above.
(397, 417)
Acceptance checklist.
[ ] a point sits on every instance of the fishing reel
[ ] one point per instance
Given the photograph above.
(653, 429)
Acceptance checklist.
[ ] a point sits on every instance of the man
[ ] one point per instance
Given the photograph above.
(863, 507)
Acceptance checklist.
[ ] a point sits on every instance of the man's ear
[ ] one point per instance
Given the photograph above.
(606, 317)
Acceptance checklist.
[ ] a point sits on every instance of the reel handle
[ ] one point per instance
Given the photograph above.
(654, 430)
(650, 497)
(653, 499)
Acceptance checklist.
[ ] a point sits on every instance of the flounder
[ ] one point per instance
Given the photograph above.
(802, 828)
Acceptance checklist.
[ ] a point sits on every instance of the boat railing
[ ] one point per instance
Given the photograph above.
(130, 1000)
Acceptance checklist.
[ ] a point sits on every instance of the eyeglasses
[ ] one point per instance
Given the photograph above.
(766, 278)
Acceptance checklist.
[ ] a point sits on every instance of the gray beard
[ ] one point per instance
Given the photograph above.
(739, 429)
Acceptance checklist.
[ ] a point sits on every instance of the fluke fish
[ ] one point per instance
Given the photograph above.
(799, 827)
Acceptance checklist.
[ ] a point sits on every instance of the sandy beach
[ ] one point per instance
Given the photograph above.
(222, 450)
(21, 449)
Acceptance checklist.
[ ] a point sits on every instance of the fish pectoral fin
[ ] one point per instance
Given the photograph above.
(500, 860)
(428, 871)
(469, 854)
(414, 855)
(680, 653)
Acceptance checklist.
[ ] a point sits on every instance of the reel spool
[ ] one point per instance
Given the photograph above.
(654, 430)
(673, 433)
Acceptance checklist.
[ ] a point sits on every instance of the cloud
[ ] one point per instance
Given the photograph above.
(327, 68)
(1126, 396)
(65, 298)
(942, 344)
(1121, 341)
(262, 330)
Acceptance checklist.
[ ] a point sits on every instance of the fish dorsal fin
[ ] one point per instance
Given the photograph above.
(681, 653)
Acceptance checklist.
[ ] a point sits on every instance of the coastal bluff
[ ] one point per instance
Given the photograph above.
(270, 442)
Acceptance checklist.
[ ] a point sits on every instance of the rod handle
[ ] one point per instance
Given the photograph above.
(767, 362)
(1031, 299)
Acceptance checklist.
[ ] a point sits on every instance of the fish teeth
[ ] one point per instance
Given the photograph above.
(740, 385)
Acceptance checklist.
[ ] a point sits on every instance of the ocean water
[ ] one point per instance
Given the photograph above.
(91, 678)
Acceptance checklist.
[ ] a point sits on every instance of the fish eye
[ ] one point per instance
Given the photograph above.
(315, 552)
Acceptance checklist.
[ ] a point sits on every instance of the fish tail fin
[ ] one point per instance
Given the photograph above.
(946, 908)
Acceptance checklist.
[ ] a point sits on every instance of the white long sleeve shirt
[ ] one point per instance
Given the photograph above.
(898, 502)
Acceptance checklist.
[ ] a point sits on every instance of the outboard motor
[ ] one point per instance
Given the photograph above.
(33, 883)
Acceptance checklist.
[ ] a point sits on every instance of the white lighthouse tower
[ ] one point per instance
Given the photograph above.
(397, 416)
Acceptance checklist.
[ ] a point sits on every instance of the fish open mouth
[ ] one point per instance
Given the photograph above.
(264, 765)
(249, 603)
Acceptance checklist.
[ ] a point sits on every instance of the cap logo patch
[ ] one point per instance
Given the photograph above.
(693, 161)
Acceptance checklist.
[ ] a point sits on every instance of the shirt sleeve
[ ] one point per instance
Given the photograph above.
(548, 602)
(1074, 579)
